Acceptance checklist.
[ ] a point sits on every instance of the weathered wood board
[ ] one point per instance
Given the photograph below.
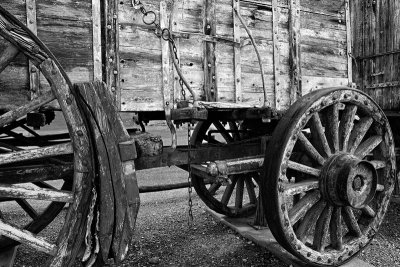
(69, 28)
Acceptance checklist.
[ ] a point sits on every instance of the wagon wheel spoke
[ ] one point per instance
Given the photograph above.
(27, 208)
(26, 237)
(301, 207)
(19, 112)
(37, 153)
(310, 150)
(351, 221)
(250, 189)
(7, 56)
(322, 228)
(335, 229)
(346, 125)
(368, 211)
(36, 173)
(239, 193)
(229, 190)
(214, 188)
(300, 187)
(332, 128)
(318, 131)
(303, 168)
(306, 225)
(12, 191)
(225, 134)
(235, 131)
(368, 146)
(360, 129)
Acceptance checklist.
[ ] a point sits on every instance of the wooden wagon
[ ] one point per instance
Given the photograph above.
(293, 102)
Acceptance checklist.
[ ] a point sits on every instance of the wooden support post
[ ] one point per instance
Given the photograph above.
(166, 67)
(97, 61)
(112, 48)
(210, 28)
(34, 74)
(275, 38)
(349, 44)
(294, 51)
(236, 52)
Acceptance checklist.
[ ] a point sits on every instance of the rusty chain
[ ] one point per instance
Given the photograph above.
(164, 33)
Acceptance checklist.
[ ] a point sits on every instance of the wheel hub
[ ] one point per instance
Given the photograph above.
(348, 181)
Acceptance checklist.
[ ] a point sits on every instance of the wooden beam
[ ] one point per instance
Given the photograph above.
(34, 74)
(276, 54)
(294, 50)
(13, 191)
(237, 53)
(210, 28)
(21, 111)
(97, 47)
(26, 237)
(112, 48)
(349, 43)
(37, 153)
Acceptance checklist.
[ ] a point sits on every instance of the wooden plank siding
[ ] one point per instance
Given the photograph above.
(66, 27)
(322, 47)
(376, 45)
(133, 66)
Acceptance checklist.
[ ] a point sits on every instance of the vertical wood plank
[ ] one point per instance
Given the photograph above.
(294, 52)
(349, 43)
(275, 38)
(34, 74)
(96, 18)
(112, 46)
(236, 53)
(210, 28)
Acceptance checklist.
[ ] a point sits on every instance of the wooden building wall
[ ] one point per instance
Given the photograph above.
(376, 46)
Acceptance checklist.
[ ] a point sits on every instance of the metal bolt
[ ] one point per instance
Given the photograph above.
(167, 103)
(69, 101)
(319, 258)
(80, 133)
(283, 207)
(308, 254)
(298, 247)
(340, 258)
(115, 72)
(33, 70)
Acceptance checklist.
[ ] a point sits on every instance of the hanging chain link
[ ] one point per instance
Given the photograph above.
(190, 189)
(150, 18)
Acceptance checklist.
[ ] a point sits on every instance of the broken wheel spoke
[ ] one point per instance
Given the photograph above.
(37, 153)
(12, 191)
(19, 112)
(351, 221)
(26, 237)
(336, 230)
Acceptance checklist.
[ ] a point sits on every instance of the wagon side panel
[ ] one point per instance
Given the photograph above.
(67, 29)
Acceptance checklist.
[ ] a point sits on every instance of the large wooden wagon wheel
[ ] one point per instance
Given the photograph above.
(34, 164)
(330, 172)
(238, 198)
